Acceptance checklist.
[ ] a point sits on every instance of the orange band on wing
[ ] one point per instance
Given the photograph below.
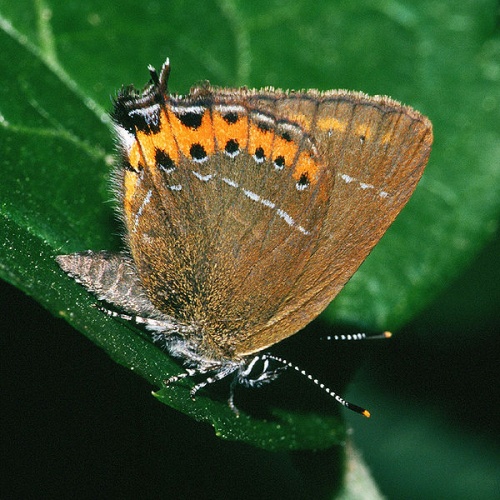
(260, 138)
(187, 136)
(224, 131)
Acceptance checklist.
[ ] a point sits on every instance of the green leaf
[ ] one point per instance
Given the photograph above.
(61, 61)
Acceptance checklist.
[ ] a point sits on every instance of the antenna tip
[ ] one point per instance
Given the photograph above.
(366, 413)
(387, 335)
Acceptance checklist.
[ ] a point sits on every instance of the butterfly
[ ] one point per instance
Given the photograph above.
(245, 214)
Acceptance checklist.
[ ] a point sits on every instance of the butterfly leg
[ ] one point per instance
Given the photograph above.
(175, 378)
(230, 401)
(222, 372)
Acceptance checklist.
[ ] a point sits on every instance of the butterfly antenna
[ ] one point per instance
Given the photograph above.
(342, 401)
(359, 336)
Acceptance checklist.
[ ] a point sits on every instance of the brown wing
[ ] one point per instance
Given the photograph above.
(247, 212)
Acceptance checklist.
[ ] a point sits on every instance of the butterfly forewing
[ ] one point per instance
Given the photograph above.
(257, 206)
